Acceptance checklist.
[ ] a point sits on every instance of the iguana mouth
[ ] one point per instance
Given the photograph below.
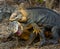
(19, 32)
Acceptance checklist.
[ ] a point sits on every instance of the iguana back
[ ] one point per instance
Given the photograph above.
(43, 16)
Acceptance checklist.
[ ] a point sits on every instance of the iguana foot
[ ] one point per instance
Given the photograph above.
(36, 30)
(42, 43)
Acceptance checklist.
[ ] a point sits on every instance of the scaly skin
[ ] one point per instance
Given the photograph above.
(43, 16)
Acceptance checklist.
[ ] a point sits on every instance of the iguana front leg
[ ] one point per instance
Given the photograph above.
(36, 28)
(28, 27)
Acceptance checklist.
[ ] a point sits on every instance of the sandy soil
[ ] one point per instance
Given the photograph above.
(13, 44)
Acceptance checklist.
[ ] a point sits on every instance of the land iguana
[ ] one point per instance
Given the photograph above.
(45, 17)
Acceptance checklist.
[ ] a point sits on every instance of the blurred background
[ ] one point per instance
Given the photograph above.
(51, 4)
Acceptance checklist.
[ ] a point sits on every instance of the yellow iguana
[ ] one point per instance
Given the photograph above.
(41, 16)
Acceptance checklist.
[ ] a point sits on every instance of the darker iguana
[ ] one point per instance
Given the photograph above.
(43, 16)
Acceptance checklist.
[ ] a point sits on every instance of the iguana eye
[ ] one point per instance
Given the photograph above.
(19, 17)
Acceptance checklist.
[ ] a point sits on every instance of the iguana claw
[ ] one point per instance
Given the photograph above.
(36, 30)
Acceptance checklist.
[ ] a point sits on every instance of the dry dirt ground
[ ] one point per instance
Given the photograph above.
(13, 44)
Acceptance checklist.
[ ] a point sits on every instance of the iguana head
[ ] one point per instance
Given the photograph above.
(20, 14)
(14, 28)
(16, 17)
